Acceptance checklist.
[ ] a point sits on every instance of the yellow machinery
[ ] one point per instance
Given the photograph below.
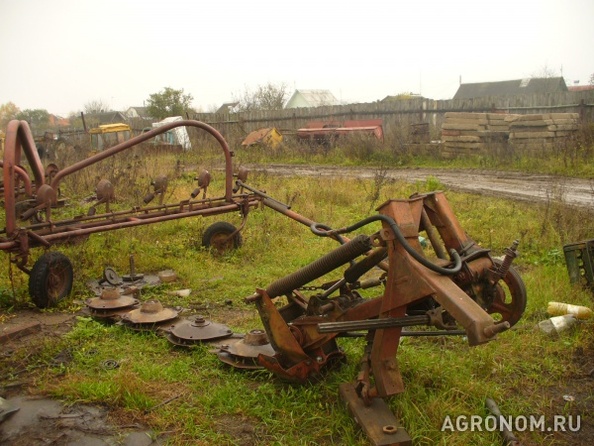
(268, 137)
(109, 135)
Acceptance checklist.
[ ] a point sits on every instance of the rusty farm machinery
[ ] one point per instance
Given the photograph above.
(31, 197)
(450, 284)
(453, 285)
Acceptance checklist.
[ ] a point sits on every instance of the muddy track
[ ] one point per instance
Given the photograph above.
(512, 185)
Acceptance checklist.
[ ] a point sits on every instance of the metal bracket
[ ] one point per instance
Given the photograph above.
(376, 420)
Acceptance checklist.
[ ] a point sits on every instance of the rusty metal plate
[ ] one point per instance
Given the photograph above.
(376, 420)
(254, 343)
(111, 299)
(244, 354)
(113, 315)
(150, 312)
(197, 329)
(238, 362)
(216, 343)
(160, 327)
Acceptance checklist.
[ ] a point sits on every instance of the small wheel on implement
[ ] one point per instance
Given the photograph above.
(50, 279)
(221, 237)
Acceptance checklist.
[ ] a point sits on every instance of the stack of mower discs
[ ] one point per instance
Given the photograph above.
(111, 304)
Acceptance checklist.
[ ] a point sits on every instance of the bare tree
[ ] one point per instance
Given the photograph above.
(265, 97)
(96, 106)
(545, 72)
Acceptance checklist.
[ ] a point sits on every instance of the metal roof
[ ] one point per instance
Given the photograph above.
(313, 98)
(513, 87)
(227, 107)
(106, 117)
(142, 112)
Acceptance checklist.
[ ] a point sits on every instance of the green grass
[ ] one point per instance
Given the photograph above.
(207, 402)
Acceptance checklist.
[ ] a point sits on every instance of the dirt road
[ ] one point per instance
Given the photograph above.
(514, 185)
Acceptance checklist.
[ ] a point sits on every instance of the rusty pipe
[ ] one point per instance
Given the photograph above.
(18, 139)
(130, 222)
(138, 222)
(286, 211)
(140, 213)
(22, 173)
(373, 324)
(277, 203)
(432, 236)
(508, 435)
(145, 137)
(31, 153)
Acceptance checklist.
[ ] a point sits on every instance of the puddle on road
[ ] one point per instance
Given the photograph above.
(42, 421)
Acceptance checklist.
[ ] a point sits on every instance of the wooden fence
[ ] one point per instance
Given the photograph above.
(400, 117)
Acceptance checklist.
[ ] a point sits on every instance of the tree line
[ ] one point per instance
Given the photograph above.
(162, 104)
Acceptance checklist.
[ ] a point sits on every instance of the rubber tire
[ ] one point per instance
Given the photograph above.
(218, 230)
(50, 279)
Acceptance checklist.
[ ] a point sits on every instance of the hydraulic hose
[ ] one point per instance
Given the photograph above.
(322, 231)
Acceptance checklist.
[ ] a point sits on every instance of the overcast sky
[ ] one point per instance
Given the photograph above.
(59, 55)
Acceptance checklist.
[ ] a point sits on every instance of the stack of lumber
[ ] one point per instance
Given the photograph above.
(465, 133)
(546, 131)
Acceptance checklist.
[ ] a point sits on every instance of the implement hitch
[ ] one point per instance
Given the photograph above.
(452, 283)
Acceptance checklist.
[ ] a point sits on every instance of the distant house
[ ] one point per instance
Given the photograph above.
(58, 121)
(138, 112)
(580, 87)
(228, 107)
(311, 98)
(511, 88)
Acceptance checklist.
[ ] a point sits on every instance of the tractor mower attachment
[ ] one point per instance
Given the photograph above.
(455, 284)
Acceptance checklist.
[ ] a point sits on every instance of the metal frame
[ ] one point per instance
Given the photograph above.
(19, 236)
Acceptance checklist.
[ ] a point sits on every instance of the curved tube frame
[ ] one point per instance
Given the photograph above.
(19, 139)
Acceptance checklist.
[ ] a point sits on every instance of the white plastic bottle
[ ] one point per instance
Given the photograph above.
(561, 308)
(557, 324)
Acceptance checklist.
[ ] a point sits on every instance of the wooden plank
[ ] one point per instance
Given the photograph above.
(461, 138)
(565, 127)
(465, 115)
(470, 126)
(377, 420)
(524, 134)
(18, 331)
(560, 121)
(522, 124)
(496, 116)
(564, 116)
(466, 121)
(464, 145)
